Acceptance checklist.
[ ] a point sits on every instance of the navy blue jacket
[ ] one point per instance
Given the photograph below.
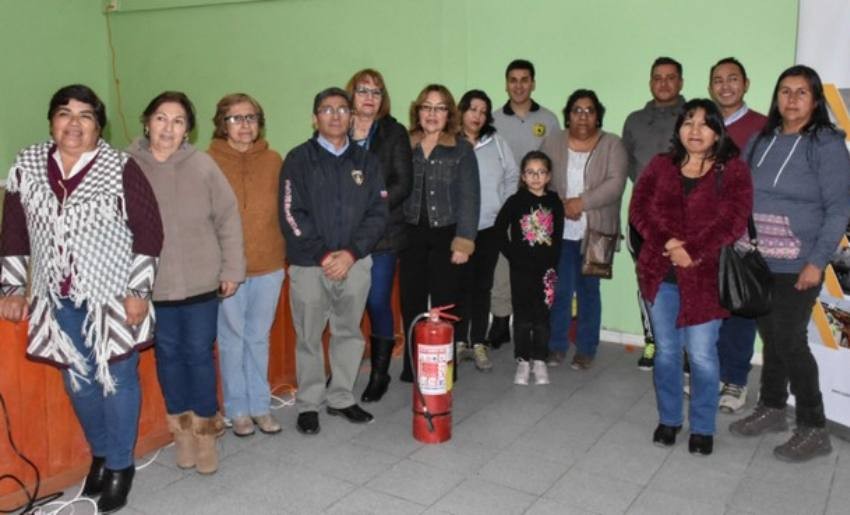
(330, 203)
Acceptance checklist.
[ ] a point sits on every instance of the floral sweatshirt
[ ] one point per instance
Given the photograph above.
(532, 227)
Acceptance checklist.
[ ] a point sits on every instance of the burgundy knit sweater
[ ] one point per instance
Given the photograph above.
(714, 214)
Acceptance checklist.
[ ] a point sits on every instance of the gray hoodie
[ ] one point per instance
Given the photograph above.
(802, 197)
(498, 176)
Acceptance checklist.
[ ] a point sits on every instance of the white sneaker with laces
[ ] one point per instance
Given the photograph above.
(733, 397)
(523, 370)
(541, 374)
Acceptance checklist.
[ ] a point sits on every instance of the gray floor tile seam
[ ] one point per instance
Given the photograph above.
(484, 480)
(378, 492)
(645, 487)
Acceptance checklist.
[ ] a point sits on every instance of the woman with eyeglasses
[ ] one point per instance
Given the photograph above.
(202, 261)
(589, 174)
(245, 319)
(441, 212)
(498, 177)
(373, 128)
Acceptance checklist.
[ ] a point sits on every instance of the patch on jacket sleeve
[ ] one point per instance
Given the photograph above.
(287, 208)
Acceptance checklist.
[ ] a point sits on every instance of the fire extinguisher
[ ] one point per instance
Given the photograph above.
(432, 351)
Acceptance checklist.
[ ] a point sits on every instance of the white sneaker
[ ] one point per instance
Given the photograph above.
(523, 370)
(732, 398)
(541, 374)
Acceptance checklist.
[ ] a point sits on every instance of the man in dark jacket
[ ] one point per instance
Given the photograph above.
(333, 211)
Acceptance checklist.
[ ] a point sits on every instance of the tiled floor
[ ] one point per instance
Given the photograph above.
(580, 445)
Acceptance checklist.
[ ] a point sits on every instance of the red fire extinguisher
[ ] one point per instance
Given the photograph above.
(432, 353)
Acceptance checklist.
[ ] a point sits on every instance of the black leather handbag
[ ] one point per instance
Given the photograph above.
(744, 280)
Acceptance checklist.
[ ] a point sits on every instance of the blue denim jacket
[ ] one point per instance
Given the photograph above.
(453, 195)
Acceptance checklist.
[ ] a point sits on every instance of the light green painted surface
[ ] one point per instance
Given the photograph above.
(45, 44)
(284, 51)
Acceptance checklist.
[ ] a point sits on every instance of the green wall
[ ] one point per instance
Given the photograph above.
(284, 51)
(46, 44)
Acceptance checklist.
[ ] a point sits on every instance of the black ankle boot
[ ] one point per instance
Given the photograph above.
(665, 436)
(94, 481)
(701, 444)
(116, 486)
(499, 332)
(379, 377)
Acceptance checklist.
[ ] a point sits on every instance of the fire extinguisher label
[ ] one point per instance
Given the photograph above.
(433, 371)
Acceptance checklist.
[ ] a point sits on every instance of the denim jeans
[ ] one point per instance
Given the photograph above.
(586, 288)
(244, 322)
(109, 422)
(185, 335)
(379, 302)
(700, 341)
(735, 346)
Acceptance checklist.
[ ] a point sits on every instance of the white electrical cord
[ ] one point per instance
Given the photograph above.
(61, 505)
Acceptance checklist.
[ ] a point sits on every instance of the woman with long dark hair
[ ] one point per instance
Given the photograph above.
(688, 204)
(801, 177)
(498, 180)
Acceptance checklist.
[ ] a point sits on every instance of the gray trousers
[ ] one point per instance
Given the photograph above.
(500, 295)
(316, 301)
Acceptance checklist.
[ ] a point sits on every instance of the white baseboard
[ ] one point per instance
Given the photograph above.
(606, 335)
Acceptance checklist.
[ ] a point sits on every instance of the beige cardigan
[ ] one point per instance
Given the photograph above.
(604, 179)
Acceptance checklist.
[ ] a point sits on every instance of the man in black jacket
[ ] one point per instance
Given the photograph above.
(333, 211)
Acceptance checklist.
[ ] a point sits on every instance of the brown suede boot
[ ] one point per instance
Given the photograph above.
(184, 442)
(205, 432)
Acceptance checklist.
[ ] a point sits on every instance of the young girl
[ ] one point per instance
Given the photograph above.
(535, 218)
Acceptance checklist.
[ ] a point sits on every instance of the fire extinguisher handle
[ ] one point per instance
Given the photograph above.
(440, 312)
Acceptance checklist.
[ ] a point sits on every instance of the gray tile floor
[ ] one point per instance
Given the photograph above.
(581, 445)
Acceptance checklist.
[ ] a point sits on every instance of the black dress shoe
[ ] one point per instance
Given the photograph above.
(665, 436)
(308, 423)
(354, 413)
(701, 444)
(94, 481)
(116, 486)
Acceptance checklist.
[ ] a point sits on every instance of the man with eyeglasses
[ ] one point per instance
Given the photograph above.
(524, 124)
(333, 210)
(647, 132)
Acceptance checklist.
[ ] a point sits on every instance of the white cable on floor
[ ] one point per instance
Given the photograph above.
(41, 510)
(61, 505)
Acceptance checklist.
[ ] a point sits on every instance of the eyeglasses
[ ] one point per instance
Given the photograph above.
(537, 174)
(439, 108)
(367, 92)
(330, 110)
(239, 119)
(578, 111)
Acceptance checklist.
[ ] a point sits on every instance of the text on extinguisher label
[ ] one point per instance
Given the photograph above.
(433, 369)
